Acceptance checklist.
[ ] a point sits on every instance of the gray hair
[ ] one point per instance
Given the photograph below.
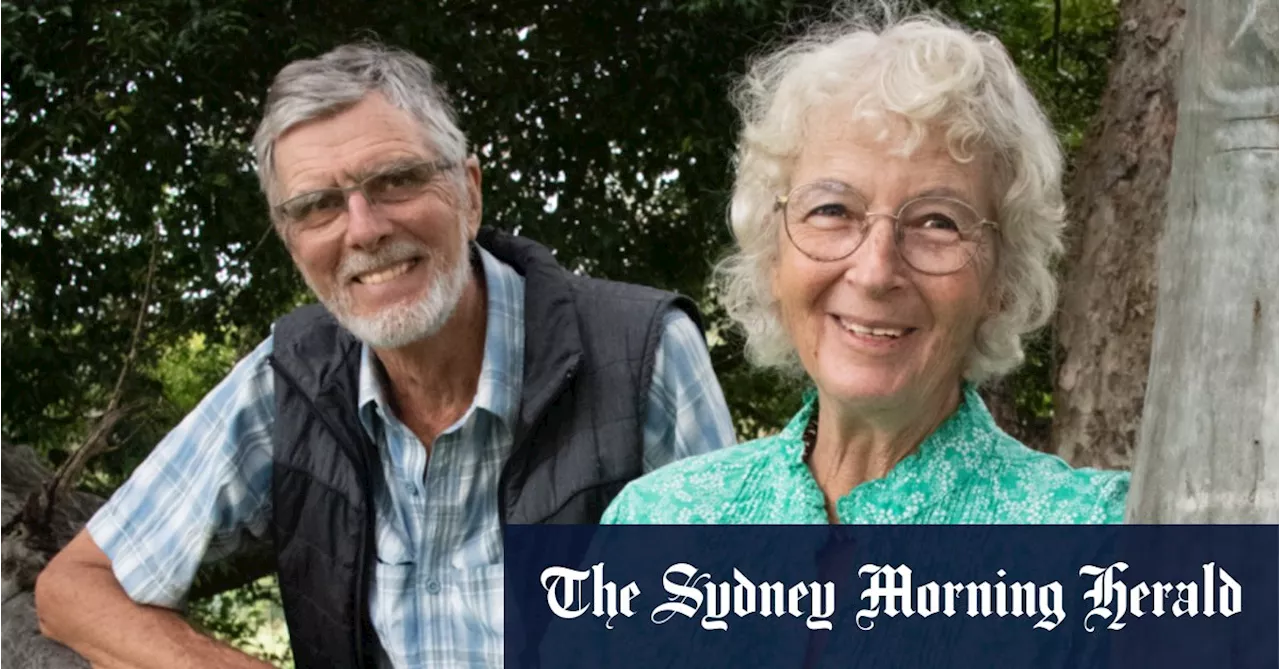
(931, 75)
(310, 89)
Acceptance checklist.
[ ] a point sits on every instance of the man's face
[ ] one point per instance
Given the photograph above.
(391, 270)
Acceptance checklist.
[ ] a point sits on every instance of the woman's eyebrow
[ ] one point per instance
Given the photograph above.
(943, 191)
(836, 185)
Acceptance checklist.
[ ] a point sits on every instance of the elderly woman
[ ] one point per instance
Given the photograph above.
(896, 208)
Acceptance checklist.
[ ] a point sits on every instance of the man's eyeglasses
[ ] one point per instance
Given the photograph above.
(391, 186)
(828, 221)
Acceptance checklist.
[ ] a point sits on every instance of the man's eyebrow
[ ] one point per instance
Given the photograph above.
(305, 193)
(374, 170)
(360, 174)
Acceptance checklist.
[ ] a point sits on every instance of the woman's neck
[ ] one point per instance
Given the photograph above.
(855, 445)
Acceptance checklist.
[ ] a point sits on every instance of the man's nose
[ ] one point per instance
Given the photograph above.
(366, 226)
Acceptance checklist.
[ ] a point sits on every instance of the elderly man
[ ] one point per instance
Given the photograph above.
(455, 379)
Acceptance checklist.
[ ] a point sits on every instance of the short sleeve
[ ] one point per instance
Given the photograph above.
(200, 491)
(686, 413)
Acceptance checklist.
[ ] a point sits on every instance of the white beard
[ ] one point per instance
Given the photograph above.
(401, 324)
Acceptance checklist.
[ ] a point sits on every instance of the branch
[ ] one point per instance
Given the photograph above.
(25, 477)
(68, 473)
(1057, 33)
(64, 479)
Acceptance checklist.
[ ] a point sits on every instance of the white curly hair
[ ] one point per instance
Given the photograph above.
(937, 77)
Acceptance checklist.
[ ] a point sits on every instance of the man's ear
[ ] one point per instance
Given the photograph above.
(282, 235)
(472, 167)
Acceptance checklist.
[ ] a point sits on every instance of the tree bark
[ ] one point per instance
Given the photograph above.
(26, 547)
(1115, 203)
(1207, 451)
(24, 553)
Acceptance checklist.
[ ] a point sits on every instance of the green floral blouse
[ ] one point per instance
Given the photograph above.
(968, 471)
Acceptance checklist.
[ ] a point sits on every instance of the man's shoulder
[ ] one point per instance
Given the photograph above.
(604, 301)
(308, 321)
(311, 346)
(250, 383)
(305, 313)
(255, 363)
(598, 288)
(626, 298)
(612, 304)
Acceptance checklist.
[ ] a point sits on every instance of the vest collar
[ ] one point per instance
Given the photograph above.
(553, 345)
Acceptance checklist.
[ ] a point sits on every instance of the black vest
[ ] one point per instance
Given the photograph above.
(588, 360)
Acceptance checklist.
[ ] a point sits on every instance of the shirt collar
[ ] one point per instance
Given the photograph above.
(499, 386)
(956, 450)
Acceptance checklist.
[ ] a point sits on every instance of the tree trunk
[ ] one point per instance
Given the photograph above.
(1207, 450)
(26, 547)
(24, 553)
(1115, 205)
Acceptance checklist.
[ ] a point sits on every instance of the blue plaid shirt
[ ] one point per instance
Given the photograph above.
(436, 595)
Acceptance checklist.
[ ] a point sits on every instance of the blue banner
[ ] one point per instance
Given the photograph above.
(891, 596)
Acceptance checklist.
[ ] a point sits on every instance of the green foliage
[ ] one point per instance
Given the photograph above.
(117, 134)
(249, 618)
(603, 127)
(130, 122)
(189, 369)
(1066, 69)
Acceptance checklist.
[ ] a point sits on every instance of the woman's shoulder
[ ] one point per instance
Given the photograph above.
(695, 490)
(1044, 488)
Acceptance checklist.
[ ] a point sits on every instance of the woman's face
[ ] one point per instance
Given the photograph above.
(871, 331)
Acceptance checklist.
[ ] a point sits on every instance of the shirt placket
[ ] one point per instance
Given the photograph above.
(438, 511)
(426, 497)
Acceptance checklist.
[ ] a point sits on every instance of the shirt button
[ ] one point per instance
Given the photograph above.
(433, 587)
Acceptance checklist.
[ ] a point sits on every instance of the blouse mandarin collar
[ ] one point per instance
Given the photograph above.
(924, 478)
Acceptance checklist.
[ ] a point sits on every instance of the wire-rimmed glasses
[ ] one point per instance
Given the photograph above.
(935, 234)
(392, 185)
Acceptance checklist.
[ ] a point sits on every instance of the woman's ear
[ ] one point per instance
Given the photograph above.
(994, 302)
(775, 265)
(988, 268)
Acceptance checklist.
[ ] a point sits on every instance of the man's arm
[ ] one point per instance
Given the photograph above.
(686, 414)
(112, 593)
(82, 605)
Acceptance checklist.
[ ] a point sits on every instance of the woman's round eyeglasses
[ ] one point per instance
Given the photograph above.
(828, 221)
